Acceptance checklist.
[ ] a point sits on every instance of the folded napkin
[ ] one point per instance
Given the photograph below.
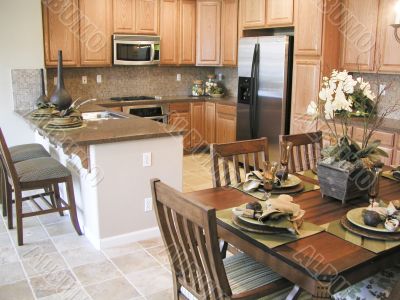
(396, 173)
(283, 213)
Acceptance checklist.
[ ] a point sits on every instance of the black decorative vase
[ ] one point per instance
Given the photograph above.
(42, 98)
(60, 98)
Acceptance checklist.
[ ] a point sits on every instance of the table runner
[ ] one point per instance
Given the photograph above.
(270, 240)
(372, 245)
(309, 174)
(389, 175)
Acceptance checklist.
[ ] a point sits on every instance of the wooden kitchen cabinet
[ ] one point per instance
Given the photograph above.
(387, 56)
(197, 124)
(95, 32)
(210, 122)
(169, 32)
(59, 35)
(180, 117)
(187, 32)
(229, 28)
(309, 27)
(208, 44)
(253, 13)
(279, 13)
(146, 17)
(359, 25)
(225, 123)
(124, 16)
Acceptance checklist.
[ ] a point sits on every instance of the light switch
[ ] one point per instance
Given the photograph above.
(84, 79)
(147, 159)
(178, 77)
(148, 204)
(98, 78)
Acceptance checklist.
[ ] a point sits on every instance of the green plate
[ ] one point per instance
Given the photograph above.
(355, 217)
(292, 181)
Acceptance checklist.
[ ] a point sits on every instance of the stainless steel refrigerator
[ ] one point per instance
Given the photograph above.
(264, 92)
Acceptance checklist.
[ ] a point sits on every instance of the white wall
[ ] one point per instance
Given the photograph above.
(21, 47)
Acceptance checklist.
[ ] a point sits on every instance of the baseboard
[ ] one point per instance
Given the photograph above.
(131, 237)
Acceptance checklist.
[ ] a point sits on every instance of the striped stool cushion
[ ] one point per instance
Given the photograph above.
(245, 274)
(28, 151)
(40, 169)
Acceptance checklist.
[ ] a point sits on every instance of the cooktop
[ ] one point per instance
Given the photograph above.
(132, 98)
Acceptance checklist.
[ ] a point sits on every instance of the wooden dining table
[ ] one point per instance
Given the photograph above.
(321, 264)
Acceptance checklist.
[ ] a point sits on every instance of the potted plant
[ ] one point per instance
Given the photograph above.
(343, 101)
(215, 90)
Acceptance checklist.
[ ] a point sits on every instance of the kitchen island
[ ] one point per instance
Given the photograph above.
(112, 162)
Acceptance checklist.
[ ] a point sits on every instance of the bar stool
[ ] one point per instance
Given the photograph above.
(19, 153)
(34, 174)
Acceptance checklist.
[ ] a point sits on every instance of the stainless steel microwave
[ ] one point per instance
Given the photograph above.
(136, 49)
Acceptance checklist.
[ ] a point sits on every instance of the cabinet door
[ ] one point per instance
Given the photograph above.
(230, 11)
(95, 32)
(225, 123)
(169, 31)
(279, 13)
(208, 33)
(209, 130)
(253, 13)
(306, 85)
(180, 118)
(197, 124)
(61, 32)
(124, 16)
(187, 53)
(359, 27)
(146, 16)
(387, 54)
(308, 30)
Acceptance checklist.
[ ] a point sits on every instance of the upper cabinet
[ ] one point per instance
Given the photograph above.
(187, 32)
(208, 49)
(136, 16)
(359, 25)
(387, 56)
(279, 13)
(95, 32)
(58, 35)
(230, 11)
(253, 13)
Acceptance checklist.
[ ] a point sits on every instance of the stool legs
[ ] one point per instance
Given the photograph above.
(8, 202)
(72, 207)
(18, 209)
(3, 189)
(56, 190)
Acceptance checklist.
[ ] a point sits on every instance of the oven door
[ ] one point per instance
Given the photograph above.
(136, 52)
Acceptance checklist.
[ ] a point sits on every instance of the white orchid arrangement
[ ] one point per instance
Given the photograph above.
(213, 88)
(342, 99)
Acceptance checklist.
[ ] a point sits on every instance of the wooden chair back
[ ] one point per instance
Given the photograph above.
(306, 150)
(6, 160)
(251, 153)
(189, 231)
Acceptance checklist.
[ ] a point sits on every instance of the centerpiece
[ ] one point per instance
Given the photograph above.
(343, 171)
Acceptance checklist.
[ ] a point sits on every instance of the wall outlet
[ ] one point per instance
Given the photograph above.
(147, 159)
(55, 80)
(382, 90)
(178, 77)
(148, 204)
(98, 78)
(84, 79)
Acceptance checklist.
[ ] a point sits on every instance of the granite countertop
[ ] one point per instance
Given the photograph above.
(169, 99)
(103, 131)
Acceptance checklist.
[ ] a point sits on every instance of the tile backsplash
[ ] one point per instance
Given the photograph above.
(129, 81)
(25, 87)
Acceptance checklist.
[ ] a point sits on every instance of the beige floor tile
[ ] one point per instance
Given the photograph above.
(2, 226)
(160, 254)
(122, 249)
(59, 228)
(75, 293)
(115, 289)
(82, 256)
(96, 272)
(10, 273)
(18, 290)
(8, 255)
(135, 261)
(151, 281)
(43, 263)
(154, 242)
(53, 218)
(5, 240)
(70, 241)
(163, 295)
(36, 248)
(54, 283)
(31, 234)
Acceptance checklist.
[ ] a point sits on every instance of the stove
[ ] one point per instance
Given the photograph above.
(132, 98)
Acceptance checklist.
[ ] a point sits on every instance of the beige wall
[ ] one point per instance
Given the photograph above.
(21, 48)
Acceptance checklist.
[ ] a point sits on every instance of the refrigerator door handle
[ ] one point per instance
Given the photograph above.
(252, 94)
(255, 86)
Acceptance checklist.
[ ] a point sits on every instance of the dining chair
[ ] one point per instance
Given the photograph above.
(189, 232)
(18, 153)
(305, 152)
(250, 153)
(34, 174)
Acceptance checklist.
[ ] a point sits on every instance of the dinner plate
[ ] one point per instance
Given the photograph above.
(292, 181)
(257, 225)
(355, 217)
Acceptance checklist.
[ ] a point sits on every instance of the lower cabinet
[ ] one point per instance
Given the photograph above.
(180, 118)
(209, 116)
(197, 125)
(225, 123)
